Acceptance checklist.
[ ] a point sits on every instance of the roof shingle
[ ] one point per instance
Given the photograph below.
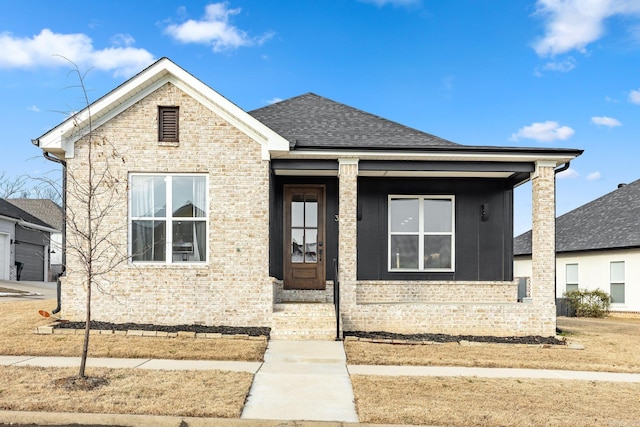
(609, 222)
(312, 121)
(12, 211)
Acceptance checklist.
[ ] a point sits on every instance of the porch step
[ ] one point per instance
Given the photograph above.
(303, 321)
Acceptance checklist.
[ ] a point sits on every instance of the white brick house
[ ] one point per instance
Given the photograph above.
(235, 218)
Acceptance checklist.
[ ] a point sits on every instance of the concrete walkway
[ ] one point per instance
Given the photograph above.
(302, 380)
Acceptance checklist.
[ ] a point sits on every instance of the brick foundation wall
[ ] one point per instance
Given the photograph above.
(233, 288)
(385, 292)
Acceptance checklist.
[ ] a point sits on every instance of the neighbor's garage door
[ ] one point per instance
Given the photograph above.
(33, 258)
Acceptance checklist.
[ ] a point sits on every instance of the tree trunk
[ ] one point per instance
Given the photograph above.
(87, 329)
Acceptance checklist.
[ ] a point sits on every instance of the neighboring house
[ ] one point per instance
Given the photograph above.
(597, 247)
(49, 212)
(235, 218)
(24, 244)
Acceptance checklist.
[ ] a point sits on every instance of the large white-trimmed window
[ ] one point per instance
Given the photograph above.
(616, 284)
(168, 218)
(571, 279)
(421, 233)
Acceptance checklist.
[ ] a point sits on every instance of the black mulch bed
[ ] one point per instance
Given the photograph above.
(454, 338)
(226, 330)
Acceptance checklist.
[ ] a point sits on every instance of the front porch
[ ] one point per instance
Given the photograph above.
(444, 303)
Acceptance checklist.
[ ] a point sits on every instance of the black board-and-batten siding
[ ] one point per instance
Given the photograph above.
(483, 248)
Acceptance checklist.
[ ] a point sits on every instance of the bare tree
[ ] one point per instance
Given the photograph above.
(92, 193)
(12, 186)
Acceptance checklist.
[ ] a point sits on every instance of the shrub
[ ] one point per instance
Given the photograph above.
(589, 303)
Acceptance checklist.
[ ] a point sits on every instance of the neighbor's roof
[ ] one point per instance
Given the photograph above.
(311, 120)
(45, 209)
(12, 211)
(610, 222)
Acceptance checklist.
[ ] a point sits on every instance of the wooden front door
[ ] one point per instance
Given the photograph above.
(304, 251)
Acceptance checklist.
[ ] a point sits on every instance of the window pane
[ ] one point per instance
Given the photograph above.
(189, 196)
(437, 251)
(297, 244)
(311, 245)
(571, 287)
(297, 214)
(311, 214)
(617, 272)
(617, 293)
(148, 196)
(404, 215)
(572, 273)
(189, 243)
(437, 215)
(404, 252)
(148, 240)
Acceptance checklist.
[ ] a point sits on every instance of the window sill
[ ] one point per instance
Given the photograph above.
(168, 143)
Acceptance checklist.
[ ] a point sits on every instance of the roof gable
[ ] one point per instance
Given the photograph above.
(60, 140)
(312, 121)
(609, 222)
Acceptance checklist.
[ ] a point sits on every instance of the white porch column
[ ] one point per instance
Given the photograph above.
(543, 234)
(347, 215)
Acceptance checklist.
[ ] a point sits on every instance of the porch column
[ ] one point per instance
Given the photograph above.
(347, 223)
(543, 234)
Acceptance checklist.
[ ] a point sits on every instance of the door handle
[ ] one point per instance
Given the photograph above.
(320, 251)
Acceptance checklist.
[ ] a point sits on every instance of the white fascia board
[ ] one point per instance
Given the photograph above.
(63, 137)
(37, 227)
(29, 224)
(444, 155)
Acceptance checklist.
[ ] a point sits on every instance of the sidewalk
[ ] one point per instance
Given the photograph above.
(254, 367)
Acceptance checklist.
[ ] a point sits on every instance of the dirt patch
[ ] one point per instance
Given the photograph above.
(11, 291)
(77, 383)
(226, 330)
(443, 338)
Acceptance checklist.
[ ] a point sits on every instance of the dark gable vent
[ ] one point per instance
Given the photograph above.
(168, 124)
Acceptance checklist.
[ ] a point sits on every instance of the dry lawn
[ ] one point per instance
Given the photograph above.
(495, 402)
(130, 391)
(610, 345)
(20, 318)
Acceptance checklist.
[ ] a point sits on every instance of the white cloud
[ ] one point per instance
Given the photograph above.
(274, 100)
(560, 66)
(594, 176)
(34, 109)
(605, 121)
(48, 49)
(543, 132)
(568, 174)
(215, 29)
(573, 24)
(396, 3)
(634, 96)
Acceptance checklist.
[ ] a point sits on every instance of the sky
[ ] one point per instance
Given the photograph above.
(519, 73)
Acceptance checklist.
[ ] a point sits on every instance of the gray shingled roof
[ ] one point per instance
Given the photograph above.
(45, 209)
(612, 221)
(12, 211)
(311, 121)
